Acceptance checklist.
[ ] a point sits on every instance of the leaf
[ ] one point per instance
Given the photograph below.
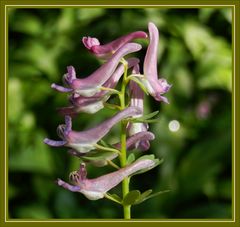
(98, 155)
(131, 197)
(103, 143)
(146, 118)
(130, 159)
(99, 158)
(145, 121)
(141, 85)
(143, 196)
(151, 115)
(146, 195)
(115, 197)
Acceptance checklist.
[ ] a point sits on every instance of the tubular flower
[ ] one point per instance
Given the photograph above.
(105, 51)
(156, 87)
(137, 96)
(96, 102)
(92, 84)
(96, 188)
(85, 141)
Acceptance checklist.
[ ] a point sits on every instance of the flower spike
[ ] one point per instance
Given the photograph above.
(105, 51)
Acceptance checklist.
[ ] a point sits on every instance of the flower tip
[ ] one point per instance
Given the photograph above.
(133, 47)
(90, 42)
(151, 24)
(60, 88)
(153, 30)
(142, 35)
(54, 143)
(150, 135)
(137, 46)
(161, 99)
(46, 140)
(58, 182)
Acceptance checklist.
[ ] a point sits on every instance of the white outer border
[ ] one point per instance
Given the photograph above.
(132, 220)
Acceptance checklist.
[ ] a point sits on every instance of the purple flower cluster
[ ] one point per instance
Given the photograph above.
(90, 94)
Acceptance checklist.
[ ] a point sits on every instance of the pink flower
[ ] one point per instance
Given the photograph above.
(92, 84)
(105, 51)
(156, 87)
(85, 141)
(96, 188)
(96, 102)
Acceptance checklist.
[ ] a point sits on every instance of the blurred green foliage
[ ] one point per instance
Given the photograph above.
(195, 56)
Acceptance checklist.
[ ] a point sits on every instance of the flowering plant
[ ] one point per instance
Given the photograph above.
(90, 94)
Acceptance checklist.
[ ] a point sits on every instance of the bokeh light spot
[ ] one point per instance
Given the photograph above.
(174, 125)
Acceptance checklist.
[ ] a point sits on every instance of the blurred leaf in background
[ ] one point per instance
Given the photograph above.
(195, 56)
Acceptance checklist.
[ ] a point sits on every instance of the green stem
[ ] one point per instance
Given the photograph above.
(123, 156)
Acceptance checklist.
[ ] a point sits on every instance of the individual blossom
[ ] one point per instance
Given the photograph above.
(136, 100)
(96, 102)
(85, 141)
(96, 188)
(106, 50)
(155, 87)
(92, 84)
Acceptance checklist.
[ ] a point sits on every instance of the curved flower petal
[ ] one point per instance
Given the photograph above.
(90, 85)
(105, 51)
(85, 141)
(96, 188)
(156, 87)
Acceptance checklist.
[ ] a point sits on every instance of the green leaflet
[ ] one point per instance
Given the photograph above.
(131, 197)
(147, 195)
(141, 85)
(130, 159)
(135, 197)
(99, 158)
(114, 197)
(146, 118)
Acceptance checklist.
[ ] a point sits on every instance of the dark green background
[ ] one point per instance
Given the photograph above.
(195, 57)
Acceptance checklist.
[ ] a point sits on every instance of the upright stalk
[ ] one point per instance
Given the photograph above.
(123, 156)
